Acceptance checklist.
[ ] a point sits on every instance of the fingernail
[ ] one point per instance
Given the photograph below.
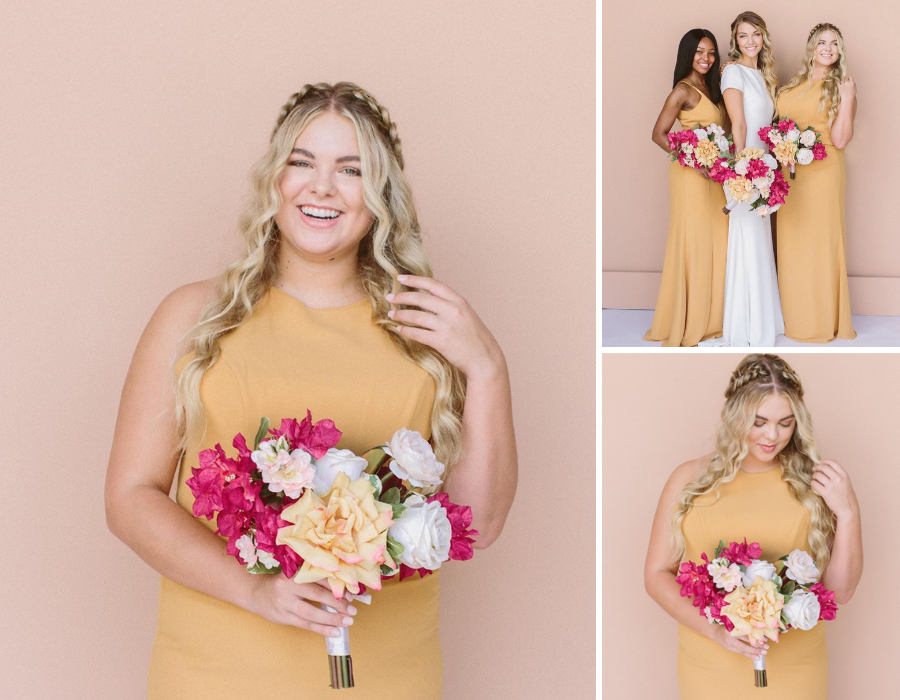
(401, 277)
(347, 621)
(389, 297)
(391, 313)
(335, 633)
(351, 610)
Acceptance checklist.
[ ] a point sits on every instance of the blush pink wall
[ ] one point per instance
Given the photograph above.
(640, 41)
(662, 410)
(128, 132)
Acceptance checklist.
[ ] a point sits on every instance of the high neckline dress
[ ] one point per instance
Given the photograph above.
(339, 364)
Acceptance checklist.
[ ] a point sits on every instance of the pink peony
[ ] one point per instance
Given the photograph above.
(743, 553)
(460, 518)
(828, 608)
(785, 125)
(819, 152)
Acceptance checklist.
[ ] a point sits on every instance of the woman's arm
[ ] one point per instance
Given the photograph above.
(842, 128)
(734, 106)
(845, 568)
(676, 101)
(486, 476)
(140, 473)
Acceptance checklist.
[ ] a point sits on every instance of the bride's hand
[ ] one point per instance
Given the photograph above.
(278, 599)
(446, 323)
(736, 644)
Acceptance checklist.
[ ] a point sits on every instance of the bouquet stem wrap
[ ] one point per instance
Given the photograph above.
(759, 672)
(339, 662)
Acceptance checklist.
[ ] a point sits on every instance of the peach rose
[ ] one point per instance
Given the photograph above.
(706, 153)
(785, 152)
(740, 189)
(755, 612)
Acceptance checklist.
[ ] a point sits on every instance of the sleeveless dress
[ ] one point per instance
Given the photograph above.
(691, 293)
(812, 233)
(340, 365)
(760, 508)
(752, 305)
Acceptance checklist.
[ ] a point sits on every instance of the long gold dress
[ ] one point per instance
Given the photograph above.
(812, 233)
(691, 296)
(340, 365)
(760, 508)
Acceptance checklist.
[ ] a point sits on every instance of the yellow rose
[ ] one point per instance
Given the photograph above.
(755, 611)
(740, 189)
(785, 152)
(706, 153)
(750, 153)
(341, 537)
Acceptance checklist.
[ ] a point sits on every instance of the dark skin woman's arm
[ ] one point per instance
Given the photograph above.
(680, 98)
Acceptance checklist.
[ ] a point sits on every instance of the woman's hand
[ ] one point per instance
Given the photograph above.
(736, 644)
(446, 323)
(847, 88)
(831, 482)
(280, 600)
(724, 65)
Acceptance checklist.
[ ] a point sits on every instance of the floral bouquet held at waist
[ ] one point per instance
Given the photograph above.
(755, 599)
(296, 505)
(790, 145)
(753, 177)
(700, 148)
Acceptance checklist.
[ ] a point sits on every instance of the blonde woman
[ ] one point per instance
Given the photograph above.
(812, 234)
(331, 307)
(752, 315)
(765, 482)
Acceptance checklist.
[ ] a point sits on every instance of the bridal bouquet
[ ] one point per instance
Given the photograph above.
(700, 148)
(296, 505)
(755, 598)
(790, 145)
(753, 177)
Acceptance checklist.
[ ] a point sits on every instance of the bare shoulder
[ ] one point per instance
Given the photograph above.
(687, 472)
(178, 313)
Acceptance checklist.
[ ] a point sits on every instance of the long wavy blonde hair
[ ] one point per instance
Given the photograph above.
(393, 246)
(757, 377)
(831, 96)
(765, 58)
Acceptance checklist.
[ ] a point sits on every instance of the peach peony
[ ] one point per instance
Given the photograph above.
(755, 612)
(740, 189)
(342, 537)
(750, 154)
(706, 153)
(785, 152)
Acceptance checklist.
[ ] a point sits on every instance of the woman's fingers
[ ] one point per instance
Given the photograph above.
(409, 317)
(429, 302)
(317, 627)
(325, 597)
(429, 284)
(314, 613)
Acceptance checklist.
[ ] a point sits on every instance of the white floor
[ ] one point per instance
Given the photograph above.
(625, 328)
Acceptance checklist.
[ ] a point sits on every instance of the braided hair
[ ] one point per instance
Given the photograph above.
(831, 96)
(757, 377)
(393, 246)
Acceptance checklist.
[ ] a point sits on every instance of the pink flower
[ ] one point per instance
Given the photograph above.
(785, 125)
(720, 172)
(316, 439)
(819, 152)
(743, 553)
(757, 168)
(406, 572)
(763, 134)
(460, 518)
(828, 608)
(208, 481)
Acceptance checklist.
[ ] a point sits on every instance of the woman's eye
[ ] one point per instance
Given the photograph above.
(352, 171)
(300, 163)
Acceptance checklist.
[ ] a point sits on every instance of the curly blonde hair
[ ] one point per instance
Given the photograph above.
(756, 378)
(765, 58)
(393, 246)
(831, 96)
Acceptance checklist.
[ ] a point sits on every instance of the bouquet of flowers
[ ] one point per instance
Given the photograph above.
(753, 177)
(285, 506)
(700, 148)
(754, 598)
(790, 146)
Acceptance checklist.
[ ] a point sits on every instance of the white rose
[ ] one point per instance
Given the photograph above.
(724, 574)
(802, 610)
(281, 470)
(741, 167)
(801, 568)
(700, 134)
(762, 211)
(793, 135)
(414, 460)
(804, 156)
(424, 531)
(758, 567)
(775, 136)
(770, 176)
(722, 143)
(808, 137)
(716, 129)
(761, 183)
(335, 461)
(774, 208)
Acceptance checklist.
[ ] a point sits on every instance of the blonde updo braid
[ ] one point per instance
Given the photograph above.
(831, 96)
(756, 378)
(393, 246)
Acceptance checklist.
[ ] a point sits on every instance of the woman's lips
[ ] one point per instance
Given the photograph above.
(315, 222)
(767, 448)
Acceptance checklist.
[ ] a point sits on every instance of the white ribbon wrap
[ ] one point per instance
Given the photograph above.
(340, 645)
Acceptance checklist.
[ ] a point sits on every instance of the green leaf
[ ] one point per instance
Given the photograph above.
(261, 433)
(376, 484)
(399, 509)
(777, 580)
(394, 548)
(392, 496)
(787, 599)
(790, 587)
(259, 568)
(720, 548)
(388, 571)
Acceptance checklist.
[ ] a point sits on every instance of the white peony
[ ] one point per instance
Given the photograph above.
(802, 610)
(716, 129)
(424, 531)
(741, 167)
(281, 470)
(761, 183)
(801, 568)
(722, 143)
(414, 460)
(804, 156)
(724, 574)
(758, 567)
(793, 135)
(775, 136)
(700, 134)
(770, 162)
(808, 137)
(333, 462)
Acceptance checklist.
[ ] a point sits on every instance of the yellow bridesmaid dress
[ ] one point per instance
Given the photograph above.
(691, 297)
(760, 508)
(340, 365)
(812, 233)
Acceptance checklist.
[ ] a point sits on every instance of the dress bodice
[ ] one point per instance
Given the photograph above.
(801, 103)
(704, 114)
(758, 105)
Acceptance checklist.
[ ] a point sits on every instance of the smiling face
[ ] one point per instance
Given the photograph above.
(323, 215)
(827, 51)
(749, 40)
(704, 56)
(772, 429)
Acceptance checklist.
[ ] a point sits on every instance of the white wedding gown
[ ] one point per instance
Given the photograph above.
(752, 304)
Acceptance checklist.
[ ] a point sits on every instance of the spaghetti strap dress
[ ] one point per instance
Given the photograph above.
(691, 296)
(340, 365)
(759, 507)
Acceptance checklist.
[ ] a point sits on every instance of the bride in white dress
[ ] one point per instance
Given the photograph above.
(752, 304)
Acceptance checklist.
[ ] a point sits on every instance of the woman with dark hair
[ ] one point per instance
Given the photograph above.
(689, 306)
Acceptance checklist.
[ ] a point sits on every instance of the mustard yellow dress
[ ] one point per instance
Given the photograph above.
(340, 365)
(812, 232)
(691, 297)
(760, 508)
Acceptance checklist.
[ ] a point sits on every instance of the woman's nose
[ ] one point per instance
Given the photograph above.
(322, 183)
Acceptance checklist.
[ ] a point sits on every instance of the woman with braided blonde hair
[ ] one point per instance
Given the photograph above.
(331, 307)
(765, 482)
(812, 232)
